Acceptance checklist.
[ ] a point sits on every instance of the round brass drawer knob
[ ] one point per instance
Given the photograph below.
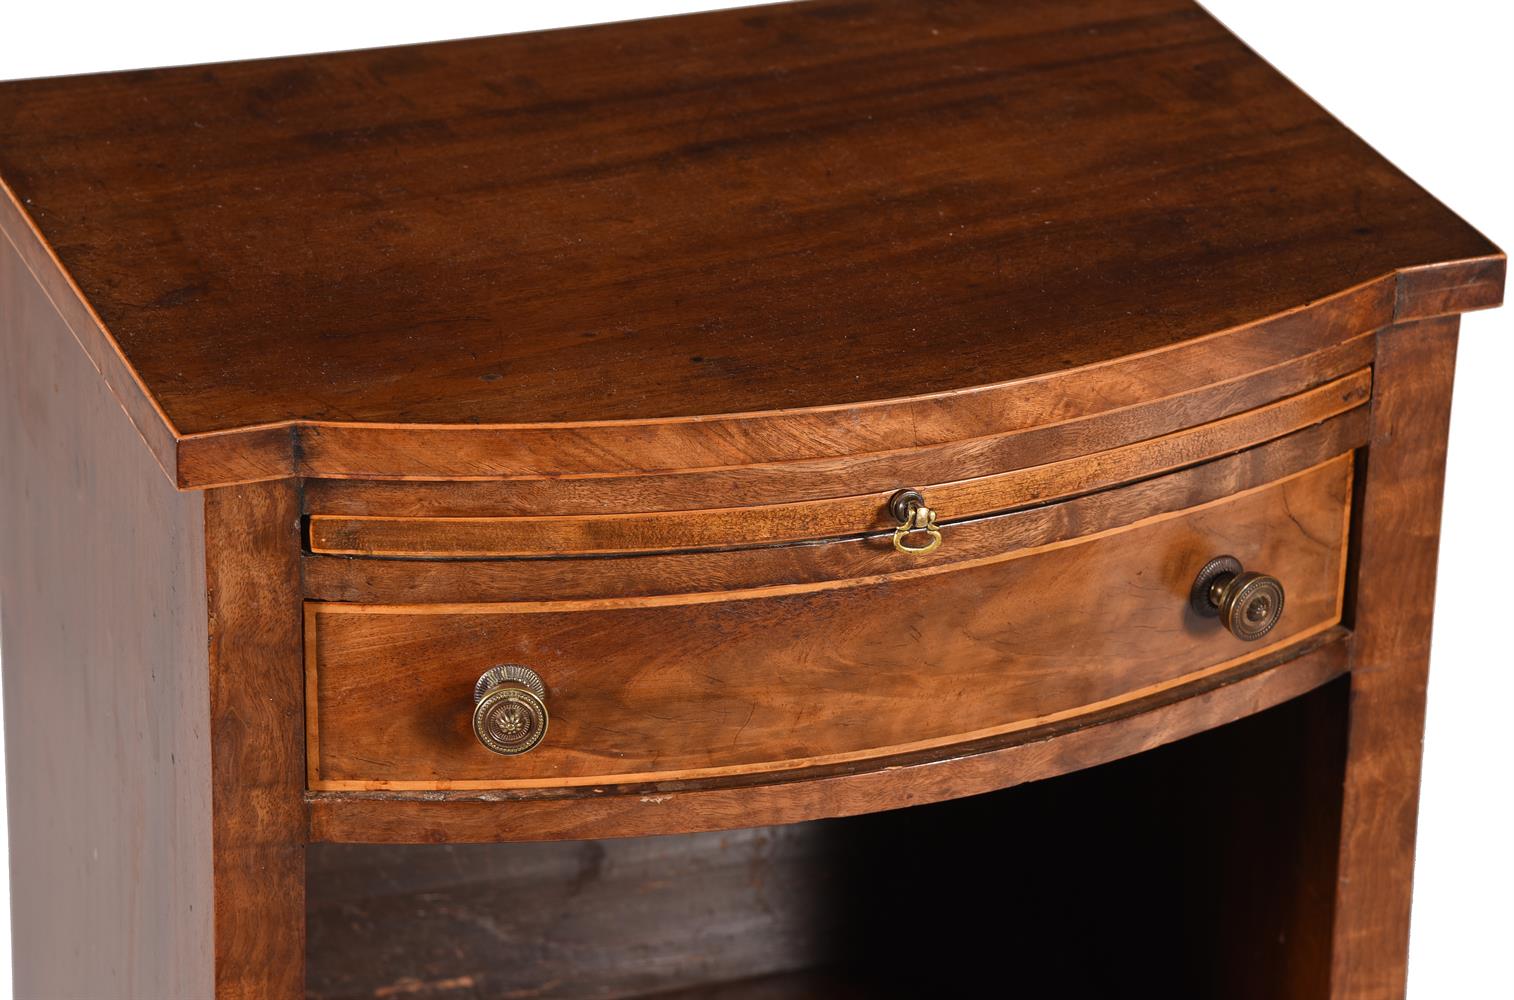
(510, 709)
(1248, 604)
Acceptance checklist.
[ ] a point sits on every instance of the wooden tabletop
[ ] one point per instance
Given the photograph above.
(766, 208)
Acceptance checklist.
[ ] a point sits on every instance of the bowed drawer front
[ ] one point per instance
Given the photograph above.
(775, 678)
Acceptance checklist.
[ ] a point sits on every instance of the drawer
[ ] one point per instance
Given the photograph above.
(531, 530)
(775, 678)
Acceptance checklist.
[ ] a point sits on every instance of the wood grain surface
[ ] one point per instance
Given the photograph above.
(605, 348)
(102, 610)
(844, 475)
(576, 813)
(256, 708)
(404, 581)
(558, 535)
(574, 919)
(1213, 834)
(696, 685)
(356, 263)
(1015, 420)
(1395, 556)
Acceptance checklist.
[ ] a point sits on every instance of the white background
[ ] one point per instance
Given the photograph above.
(1430, 85)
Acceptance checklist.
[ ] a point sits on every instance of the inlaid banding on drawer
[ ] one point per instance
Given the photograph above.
(691, 686)
(557, 535)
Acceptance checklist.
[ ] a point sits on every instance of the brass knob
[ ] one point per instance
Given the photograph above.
(510, 709)
(1248, 604)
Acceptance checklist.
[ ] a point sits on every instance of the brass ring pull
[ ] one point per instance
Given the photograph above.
(908, 506)
(1247, 604)
(510, 709)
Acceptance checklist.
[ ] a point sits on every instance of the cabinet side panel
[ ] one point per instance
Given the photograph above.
(103, 631)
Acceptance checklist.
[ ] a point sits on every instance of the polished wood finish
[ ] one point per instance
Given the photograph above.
(578, 813)
(602, 350)
(83, 324)
(403, 581)
(256, 708)
(1395, 550)
(377, 535)
(751, 218)
(971, 429)
(1175, 405)
(672, 688)
(1199, 842)
(104, 632)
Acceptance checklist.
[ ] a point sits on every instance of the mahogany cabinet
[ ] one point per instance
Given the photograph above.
(838, 499)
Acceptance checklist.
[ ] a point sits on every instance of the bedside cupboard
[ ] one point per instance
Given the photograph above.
(840, 499)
